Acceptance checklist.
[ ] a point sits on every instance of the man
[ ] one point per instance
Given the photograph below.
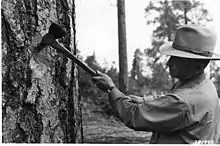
(190, 112)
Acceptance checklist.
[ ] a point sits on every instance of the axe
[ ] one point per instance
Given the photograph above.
(55, 32)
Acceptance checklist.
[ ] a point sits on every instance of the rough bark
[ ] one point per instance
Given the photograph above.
(40, 99)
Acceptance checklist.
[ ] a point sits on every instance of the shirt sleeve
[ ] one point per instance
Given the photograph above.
(163, 114)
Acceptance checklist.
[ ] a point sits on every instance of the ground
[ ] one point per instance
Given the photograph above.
(102, 129)
(107, 131)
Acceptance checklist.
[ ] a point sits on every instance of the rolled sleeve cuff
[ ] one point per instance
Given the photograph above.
(115, 93)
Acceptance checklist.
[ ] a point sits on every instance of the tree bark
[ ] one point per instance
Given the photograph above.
(123, 65)
(40, 98)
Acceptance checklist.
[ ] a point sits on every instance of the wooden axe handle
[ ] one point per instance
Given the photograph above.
(68, 54)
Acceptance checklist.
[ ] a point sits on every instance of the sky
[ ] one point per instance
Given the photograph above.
(97, 32)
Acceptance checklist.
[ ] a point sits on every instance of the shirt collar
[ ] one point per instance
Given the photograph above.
(191, 82)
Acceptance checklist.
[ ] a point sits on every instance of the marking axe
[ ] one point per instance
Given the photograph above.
(55, 32)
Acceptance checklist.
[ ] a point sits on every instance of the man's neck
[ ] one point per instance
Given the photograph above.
(191, 77)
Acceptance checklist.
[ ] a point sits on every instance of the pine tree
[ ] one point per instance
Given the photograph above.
(136, 71)
(166, 16)
(40, 99)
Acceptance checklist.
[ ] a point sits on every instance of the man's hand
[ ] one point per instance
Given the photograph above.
(103, 81)
(136, 99)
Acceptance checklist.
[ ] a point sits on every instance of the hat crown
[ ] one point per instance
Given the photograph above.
(196, 39)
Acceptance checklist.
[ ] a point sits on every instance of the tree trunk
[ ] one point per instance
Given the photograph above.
(40, 99)
(123, 67)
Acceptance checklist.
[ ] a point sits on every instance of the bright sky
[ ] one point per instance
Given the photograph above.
(97, 32)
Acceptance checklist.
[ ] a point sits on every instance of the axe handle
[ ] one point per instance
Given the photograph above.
(68, 54)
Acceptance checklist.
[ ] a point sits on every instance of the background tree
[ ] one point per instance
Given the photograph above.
(89, 91)
(122, 49)
(87, 87)
(191, 11)
(166, 16)
(136, 79)
(40, 99)
(215, 75)
(136, 71)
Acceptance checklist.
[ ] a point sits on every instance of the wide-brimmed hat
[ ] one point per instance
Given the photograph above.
(192, 41)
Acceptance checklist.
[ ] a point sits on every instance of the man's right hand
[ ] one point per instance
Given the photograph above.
(103, 81)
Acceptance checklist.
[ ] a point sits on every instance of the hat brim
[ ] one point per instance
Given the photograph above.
(167, 49)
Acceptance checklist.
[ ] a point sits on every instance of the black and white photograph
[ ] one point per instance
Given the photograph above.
(110, 72)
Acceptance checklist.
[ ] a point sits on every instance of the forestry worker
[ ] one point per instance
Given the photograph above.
(190, 111)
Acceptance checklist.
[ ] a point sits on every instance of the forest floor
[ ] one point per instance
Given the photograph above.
(100, 128)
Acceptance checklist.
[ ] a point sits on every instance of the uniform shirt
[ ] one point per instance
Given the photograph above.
(188, 113)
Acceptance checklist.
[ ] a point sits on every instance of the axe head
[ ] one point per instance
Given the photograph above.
(56, 30)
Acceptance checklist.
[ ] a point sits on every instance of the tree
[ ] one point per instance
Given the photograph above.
(123, 65)
(40, 99)
(88, 89)
(215, 75)
(166, 16)
(136, 71)
(136, 79)
(193, 10)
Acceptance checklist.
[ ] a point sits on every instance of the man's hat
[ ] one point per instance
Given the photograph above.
(192, 41)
